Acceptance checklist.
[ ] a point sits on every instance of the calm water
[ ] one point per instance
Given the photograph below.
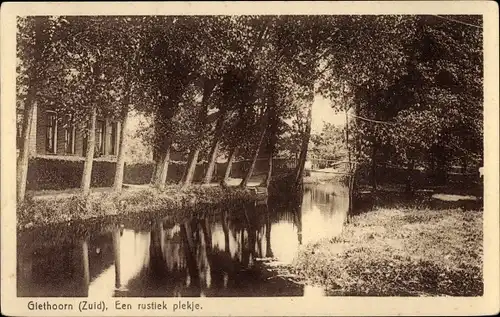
(228, 253)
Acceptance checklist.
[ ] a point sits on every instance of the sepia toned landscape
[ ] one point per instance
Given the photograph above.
(249, 155)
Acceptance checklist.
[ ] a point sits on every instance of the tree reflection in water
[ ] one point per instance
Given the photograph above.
(216, 254)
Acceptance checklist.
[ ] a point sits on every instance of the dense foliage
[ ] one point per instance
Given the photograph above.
(238, 86)
(421, 104)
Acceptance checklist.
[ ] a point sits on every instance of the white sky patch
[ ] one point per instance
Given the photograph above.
(322, 113)
(135, 119)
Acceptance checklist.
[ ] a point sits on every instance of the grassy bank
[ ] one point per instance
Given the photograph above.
(35, 213)
(400, 252)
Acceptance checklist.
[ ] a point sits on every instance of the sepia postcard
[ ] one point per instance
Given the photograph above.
(250, 158)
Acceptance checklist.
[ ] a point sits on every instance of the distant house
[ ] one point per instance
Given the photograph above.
(58, 147)
(58, 144)
(62, 136)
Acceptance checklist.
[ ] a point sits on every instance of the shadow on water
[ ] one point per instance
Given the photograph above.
(224, 252)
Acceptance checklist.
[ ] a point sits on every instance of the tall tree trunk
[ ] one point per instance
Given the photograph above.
(299, 171)
(351, 189)
(270, 149)
(29, 109)
(249, 173)
(273, 130)
(120, 162)
(24, 152)
(267, 179)
(186, 168)
(163, 141)
(162, 169)
(155, 176)
(190, 168)
(161, 145)
(154, 173)
(353, 169)
(208, 87)
(89, 156)
(356, 142)
(229, 165)
(214, 150)
(347, 138)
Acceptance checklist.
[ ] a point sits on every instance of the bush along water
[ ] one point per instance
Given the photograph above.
(170, 201)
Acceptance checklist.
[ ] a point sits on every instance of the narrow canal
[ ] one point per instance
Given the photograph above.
(223, 254)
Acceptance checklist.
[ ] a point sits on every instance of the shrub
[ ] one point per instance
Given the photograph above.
(138, 173)
(46, 174)
(170, 201)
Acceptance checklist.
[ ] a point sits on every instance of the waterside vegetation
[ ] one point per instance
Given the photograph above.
(148, 201)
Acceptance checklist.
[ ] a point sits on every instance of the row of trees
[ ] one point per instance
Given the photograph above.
(253, 74)
(178, 70)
